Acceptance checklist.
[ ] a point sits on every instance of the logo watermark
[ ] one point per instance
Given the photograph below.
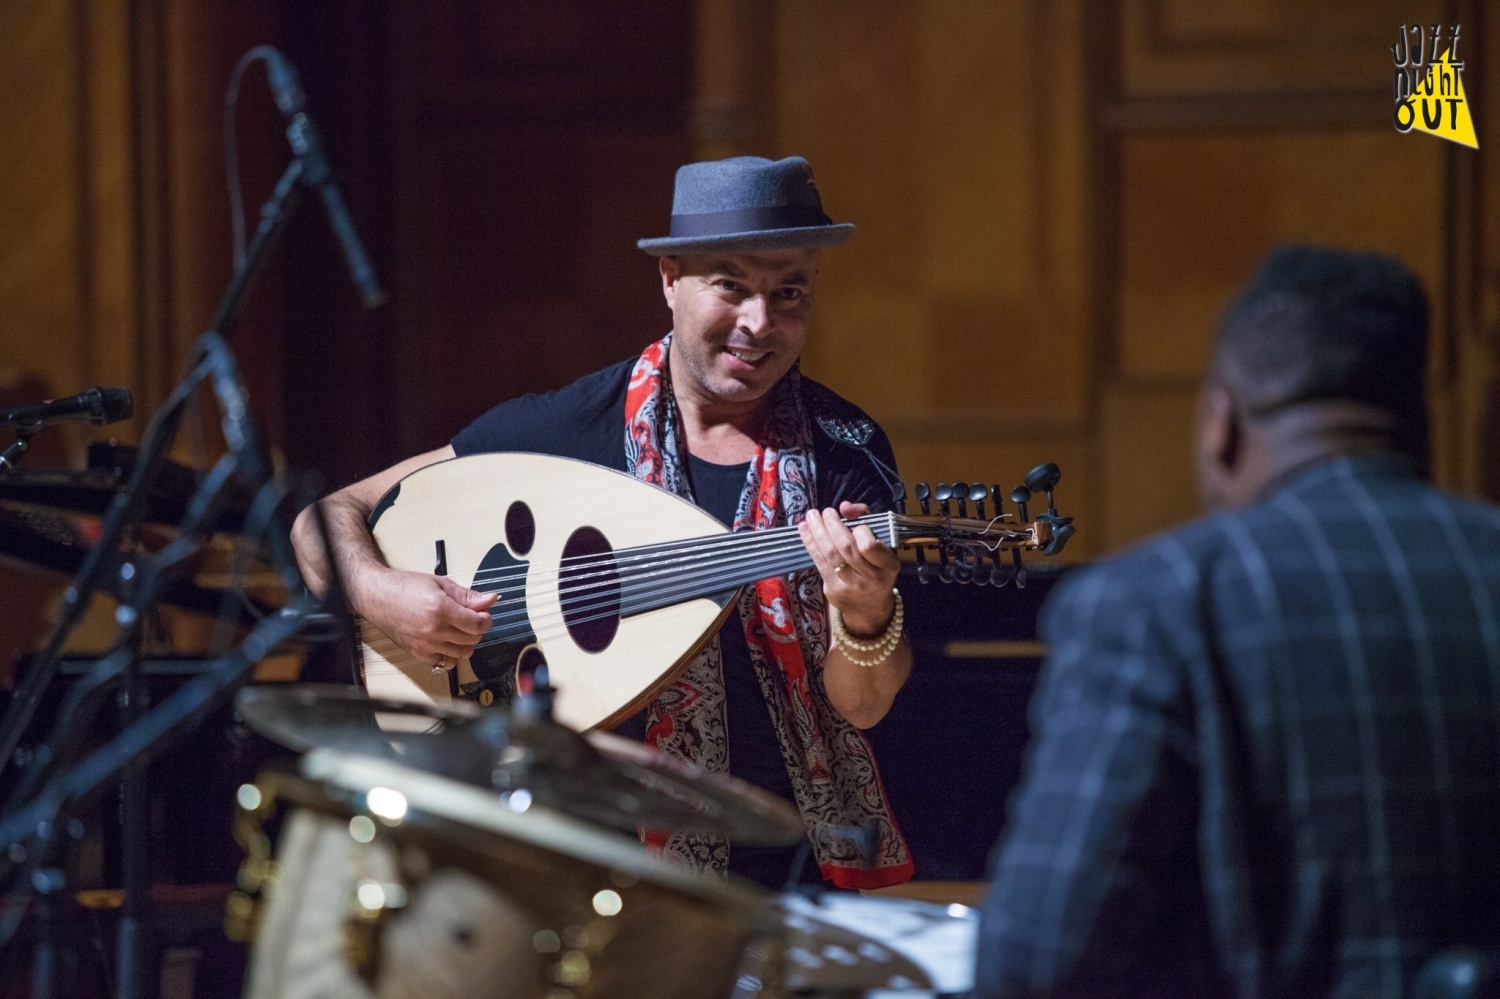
(1430, 85)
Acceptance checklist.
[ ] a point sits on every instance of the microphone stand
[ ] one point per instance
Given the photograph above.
(211, 361)
(11, 456)
(124, 510)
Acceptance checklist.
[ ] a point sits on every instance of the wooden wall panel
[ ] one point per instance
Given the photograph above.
(1053, 199)
(955, 135)
(533, 278)
(63, 176)
(1479, 359)
(1184, 47)
(1056, 200)
(111, 260)
(201, 46)
(1145, 479)
(1199, 210)
(533, 144)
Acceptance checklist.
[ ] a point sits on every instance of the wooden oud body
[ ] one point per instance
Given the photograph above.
(508, 520)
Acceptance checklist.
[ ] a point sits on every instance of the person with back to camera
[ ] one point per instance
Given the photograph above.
(1266, 749)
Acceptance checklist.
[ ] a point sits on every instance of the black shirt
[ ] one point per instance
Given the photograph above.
(586, 420)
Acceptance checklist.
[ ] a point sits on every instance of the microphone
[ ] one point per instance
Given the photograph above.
(97, 406)
(286, 87)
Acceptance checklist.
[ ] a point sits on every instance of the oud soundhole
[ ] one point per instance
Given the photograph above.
(589, 590)
(520, 528)
(530, 660)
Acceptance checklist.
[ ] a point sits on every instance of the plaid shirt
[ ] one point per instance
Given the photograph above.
(1266, 754)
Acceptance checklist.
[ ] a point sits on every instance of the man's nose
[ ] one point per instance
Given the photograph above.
(755, 315)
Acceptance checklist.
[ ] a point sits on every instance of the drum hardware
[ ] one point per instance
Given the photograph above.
(413, 884)
(400, 842)
(596, 777)
(109, 467)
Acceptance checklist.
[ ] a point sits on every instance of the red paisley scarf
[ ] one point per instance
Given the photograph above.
(832, 769)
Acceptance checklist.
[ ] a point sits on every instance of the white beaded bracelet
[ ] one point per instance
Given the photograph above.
(882, 645)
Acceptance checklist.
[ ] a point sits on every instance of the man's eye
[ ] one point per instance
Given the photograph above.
(790, 294)
(726, 285)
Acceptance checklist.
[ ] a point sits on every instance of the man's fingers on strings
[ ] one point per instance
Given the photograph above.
(820, 545)
(875, 551)
(844, 545)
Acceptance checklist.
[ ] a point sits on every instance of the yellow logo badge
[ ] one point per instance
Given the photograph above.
(1430, 88)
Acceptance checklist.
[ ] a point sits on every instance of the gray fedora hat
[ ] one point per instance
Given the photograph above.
(745, 204)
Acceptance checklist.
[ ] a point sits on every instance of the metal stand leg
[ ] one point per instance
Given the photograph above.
(135, 950)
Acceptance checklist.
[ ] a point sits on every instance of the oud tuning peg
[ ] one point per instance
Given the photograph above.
(1020, 496)
(1044, 478)
(898, 497)
(923, 494)
(962, 574)
(978, 493)
(945, 572)
(999, 499)
(961, 497)
(943, 493)
(1019, 568)
(922, 571)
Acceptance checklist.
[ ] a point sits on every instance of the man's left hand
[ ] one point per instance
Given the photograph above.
(858, 570)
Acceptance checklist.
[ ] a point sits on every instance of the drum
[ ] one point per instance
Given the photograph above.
(393, 882)
(840, 944)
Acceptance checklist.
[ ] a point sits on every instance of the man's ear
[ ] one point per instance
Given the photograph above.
(670, 272)
(1224, 431)
(1218, 445)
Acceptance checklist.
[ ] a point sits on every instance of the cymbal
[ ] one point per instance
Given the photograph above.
(597, 777)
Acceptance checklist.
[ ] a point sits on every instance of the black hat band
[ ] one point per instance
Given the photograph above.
(747, 220)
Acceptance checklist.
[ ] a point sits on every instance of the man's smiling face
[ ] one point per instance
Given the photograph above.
(739, 320)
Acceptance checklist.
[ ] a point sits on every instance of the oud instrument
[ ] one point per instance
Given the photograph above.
(614, 584)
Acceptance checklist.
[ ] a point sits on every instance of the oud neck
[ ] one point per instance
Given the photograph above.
(702, 567)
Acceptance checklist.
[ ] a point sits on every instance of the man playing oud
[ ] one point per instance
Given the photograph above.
(718, 412)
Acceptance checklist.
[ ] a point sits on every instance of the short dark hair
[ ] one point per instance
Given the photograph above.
(1316, 324)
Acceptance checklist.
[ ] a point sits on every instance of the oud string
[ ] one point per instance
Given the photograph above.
(763, 560)
(757, 554)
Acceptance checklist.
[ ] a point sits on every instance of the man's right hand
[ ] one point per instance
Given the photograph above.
(429, 616)
(432, 617)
